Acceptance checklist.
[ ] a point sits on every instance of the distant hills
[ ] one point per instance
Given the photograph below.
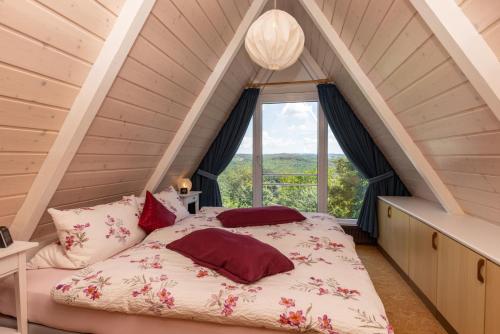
(284, 162)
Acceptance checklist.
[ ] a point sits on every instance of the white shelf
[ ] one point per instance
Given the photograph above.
(477, 234)
(17, 247)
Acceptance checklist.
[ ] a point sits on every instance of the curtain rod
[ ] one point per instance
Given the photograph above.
(263, 84)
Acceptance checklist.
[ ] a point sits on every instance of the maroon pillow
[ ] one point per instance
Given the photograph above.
(270, 215)
(240, 258)
(155, 215)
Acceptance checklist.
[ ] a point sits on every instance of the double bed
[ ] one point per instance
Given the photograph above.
(148, 288)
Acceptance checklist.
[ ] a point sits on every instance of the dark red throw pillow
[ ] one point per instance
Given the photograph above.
(155, 215)
(240, 258)
(270, 215)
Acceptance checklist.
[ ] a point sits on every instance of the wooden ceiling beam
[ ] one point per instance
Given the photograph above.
(466, 46)
(384, 112)
(204, 97)
(83, 111)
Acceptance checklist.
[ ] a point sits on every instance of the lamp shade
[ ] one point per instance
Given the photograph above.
(185, 183)
(275, 40)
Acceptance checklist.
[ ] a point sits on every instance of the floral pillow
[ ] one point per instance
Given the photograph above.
(51, 256)
(88, 235)
(170, 199)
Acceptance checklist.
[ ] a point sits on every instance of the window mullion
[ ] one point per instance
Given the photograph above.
(322, 161)
(257, 156)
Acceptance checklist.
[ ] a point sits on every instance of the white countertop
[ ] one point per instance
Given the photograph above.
(477, 234)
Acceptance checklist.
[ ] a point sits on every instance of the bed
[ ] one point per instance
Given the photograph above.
(148, 287)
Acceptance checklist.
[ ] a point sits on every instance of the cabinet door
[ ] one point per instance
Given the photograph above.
(492, 320)
(460, 292)
(400, 228)
(423, 262)
(384, 233)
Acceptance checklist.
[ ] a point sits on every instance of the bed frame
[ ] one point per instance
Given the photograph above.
(10, 322)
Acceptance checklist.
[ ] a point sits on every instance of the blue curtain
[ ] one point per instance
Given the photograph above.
(360, 149)
(223, 149)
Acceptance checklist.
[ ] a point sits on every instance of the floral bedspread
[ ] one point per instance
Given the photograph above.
(329, 290)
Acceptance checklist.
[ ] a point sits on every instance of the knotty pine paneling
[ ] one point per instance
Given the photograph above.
(48, 48)
(166, 69)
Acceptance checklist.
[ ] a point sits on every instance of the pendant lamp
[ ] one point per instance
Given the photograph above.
(275, 40)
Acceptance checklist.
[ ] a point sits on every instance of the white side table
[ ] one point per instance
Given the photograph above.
(13, 262)
(191, 197)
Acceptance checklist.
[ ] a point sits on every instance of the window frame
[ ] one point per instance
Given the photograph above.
(322, 150)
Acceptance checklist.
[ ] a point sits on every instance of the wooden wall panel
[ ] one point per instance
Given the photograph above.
(432, 98)
(240, 73)
(485, 16)
(170, 62)
(163, 74)
(48, 48)
(373, 17)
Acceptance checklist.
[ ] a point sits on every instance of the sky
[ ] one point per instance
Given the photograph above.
(289, 128)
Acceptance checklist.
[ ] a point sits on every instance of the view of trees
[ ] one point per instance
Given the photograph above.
(346, 186)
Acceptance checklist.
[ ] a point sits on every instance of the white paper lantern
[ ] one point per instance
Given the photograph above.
(275, 40)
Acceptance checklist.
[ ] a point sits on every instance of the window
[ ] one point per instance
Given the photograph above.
(346, 186)
(235, 182)
(289, 156)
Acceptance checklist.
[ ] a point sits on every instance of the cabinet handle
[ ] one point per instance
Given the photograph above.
(389, 211)
(480, 266)
(434, 238)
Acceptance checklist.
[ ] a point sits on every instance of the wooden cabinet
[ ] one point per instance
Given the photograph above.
(492, 318)
(400, 224)
(384, 232)
(460, 286)
(423, 258)
(464, 286)
(394, 230)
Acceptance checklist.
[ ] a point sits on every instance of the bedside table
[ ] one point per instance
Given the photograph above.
(13, 262)
(191, 199)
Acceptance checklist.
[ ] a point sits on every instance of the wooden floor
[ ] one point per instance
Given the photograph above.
(406, 311)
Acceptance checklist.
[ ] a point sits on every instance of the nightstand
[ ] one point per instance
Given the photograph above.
(191, 201)
(13, 262)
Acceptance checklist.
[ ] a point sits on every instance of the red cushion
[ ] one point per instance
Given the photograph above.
(155, 215)
(240, 258)
(270, 215)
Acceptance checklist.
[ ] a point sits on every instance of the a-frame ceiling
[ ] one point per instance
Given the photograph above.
(175, 54)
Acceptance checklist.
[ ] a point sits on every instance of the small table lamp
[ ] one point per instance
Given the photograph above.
(184, 186)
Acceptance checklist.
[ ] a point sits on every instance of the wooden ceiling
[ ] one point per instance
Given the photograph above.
(48, 48)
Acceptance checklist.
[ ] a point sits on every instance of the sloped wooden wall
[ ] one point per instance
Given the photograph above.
(432, 98)
(485, 16)
(240, 73)
(296, 72)
(47, 49)
(167, 67)
(185, 165)
(353, 34)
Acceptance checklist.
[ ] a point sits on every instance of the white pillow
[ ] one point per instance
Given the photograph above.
(88, 235)
(170, 199)
(51, 256)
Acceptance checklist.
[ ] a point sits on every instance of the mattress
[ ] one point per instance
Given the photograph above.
(329, 291)
(43, 310)
(148, 288)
